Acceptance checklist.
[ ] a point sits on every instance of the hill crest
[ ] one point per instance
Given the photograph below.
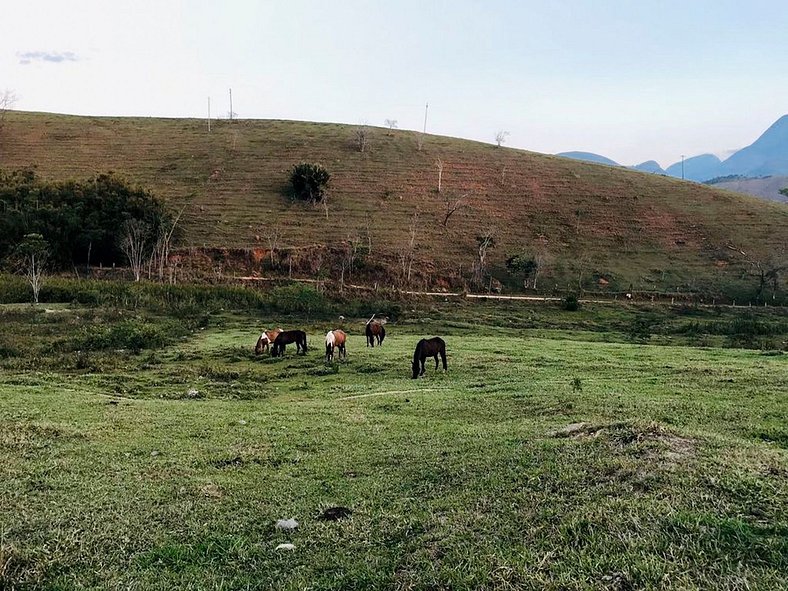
(592, 227)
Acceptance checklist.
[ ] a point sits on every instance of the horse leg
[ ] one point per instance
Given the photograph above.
(436, 361)
(423, 359)
(443, 358)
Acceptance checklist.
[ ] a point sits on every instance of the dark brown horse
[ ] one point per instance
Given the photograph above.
(428, 348)
(375, 330)
(285, 338)
(335, 339)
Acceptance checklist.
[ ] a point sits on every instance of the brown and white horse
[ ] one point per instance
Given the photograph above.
(335, 339)
(266, 340)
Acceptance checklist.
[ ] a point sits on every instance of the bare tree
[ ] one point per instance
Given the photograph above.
(500, 137)
(273, 236)
(391, 124)
(133, 243)
(160, 256)
(452, 206)
(31, 256)
(419, 140)
(362, 135)
(484, 242)
(439, 166)
(408, 252)
(7, 102)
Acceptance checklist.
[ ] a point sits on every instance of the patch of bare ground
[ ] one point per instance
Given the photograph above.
(650, 441)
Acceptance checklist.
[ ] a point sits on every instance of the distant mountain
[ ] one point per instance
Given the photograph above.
(698, 168)
(588, 157)
(765, 188)
(649, 166)
(768, 155)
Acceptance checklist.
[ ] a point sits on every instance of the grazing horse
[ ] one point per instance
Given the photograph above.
(266, 339)
(375, 330)
(285, 338)
(335, 339)
(428, 348)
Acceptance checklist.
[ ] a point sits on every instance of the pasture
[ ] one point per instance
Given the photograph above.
(168, 467)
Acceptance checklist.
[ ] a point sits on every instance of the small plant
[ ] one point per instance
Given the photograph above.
(571, 303)
(577, 384)
(309, 182)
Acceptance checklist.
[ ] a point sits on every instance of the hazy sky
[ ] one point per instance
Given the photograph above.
(628, 79)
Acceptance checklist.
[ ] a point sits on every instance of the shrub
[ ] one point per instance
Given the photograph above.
(309, 182)
(571, 303)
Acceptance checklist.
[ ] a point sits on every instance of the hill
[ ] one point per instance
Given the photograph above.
(651, 166)
(588, 157)
(698, 168)
(766, 188)
(768, 155)
(587, 225)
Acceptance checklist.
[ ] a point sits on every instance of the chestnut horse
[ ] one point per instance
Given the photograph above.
(335, 339)
(375, 330)
(266, 339)
(285, 338)
(428, 348)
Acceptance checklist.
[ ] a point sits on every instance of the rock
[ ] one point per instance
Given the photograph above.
(154, 453)
(285, 547)
(286, 524)
(193, 393)
(335, 514)
(241, 422)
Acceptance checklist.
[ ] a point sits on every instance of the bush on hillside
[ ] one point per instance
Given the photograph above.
(309, 182)
(571, 303)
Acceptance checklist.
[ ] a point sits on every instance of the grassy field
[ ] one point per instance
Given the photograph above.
(113, 475)
(586, 222)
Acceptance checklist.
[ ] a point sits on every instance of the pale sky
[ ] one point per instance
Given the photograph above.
(627, 79)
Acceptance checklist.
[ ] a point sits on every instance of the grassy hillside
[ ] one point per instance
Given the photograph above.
(587, 221)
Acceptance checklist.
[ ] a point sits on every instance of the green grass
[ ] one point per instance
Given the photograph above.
(113, 476)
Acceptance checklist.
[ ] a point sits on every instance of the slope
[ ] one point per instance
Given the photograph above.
(587, 224)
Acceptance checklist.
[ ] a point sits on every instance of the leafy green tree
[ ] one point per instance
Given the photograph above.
(309, 182)
(81, 219)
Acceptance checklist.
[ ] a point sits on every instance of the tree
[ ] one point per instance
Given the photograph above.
(31, 257)
(7, 102)
(361, 137)
(452, 206)
(160, 255)
(391, 124)
(484, 242)
(784, 191)
(500, 138)
(523, 265)
(134, 243)
(309, 182)
(408, 251)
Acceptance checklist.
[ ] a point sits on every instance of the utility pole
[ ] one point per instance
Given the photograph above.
(426, 107)
(682, 167)
(231, 105)
(209, 114)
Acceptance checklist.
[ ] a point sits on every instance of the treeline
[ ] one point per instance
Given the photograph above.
(81, 221)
